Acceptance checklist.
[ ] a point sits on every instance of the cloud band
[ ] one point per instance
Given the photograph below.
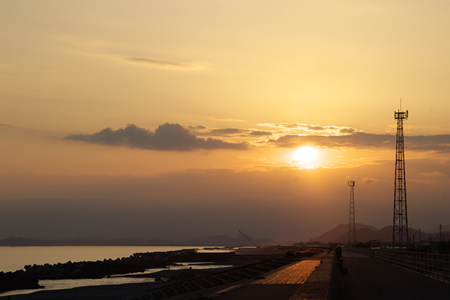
(167, 137)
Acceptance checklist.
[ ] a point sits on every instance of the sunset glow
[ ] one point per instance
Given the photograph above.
(306, 157)
(179, 118)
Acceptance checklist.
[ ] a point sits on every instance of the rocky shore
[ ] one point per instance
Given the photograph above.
(18, 280)
(138, 262)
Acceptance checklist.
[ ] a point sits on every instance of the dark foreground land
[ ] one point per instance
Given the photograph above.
(248, 264)
(277, 274)
(370, 278)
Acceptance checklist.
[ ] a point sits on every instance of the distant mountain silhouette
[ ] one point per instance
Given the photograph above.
(339, 234)
(365, 233)
(20, 241)
(224, 240)
(218, 240)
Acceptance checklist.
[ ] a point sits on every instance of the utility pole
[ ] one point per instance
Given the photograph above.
(400, 222)
(440, 233)
(351, 216)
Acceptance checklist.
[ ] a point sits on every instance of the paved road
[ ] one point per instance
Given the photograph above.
(278, 285)
(370, 278)
(296, 273)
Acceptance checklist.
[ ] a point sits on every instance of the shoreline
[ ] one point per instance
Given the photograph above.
(250, 263)
(137, 262)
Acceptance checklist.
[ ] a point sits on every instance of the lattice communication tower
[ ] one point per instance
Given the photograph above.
(400, 225)
(351, 215)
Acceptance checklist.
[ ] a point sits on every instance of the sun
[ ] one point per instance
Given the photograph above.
(306, 156)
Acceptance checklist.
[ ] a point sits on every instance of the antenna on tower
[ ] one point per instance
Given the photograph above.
(400, 103)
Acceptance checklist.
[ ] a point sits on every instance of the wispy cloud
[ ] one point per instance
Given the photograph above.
(165, 64)
(370, 180)
(440, 143)
(221, 119)
(157, 63)
(167, 137)
(309, 129)
(103, 50)
(434, 174)
(356, 140)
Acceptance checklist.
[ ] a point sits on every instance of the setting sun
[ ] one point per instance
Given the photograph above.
(306, 156)
(163, 123)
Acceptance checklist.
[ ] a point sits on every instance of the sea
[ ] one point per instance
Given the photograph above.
(16, 258)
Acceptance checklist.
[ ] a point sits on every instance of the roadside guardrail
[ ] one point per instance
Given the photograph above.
(433, 265)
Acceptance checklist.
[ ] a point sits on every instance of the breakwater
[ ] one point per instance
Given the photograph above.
(138, 262)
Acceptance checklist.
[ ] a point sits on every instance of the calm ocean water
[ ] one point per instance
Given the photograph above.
(15, 258)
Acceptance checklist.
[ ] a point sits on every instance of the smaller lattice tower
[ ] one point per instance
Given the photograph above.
(400, 223)
(351, 215)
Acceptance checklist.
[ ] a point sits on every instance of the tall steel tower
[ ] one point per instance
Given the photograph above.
(400, 224)
(351, 216)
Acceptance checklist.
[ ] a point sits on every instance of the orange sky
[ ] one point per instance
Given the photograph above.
(132, 94)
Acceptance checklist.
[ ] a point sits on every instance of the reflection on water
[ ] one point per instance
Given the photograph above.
(63, 284)
(15, 258)
(114, 279)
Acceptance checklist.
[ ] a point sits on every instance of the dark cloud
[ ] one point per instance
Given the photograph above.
(316, 127)
(439, 143)
(165, 137)
(347, 130)
(198, 127)
(260, 133)
(225, 131)
(362, 140)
